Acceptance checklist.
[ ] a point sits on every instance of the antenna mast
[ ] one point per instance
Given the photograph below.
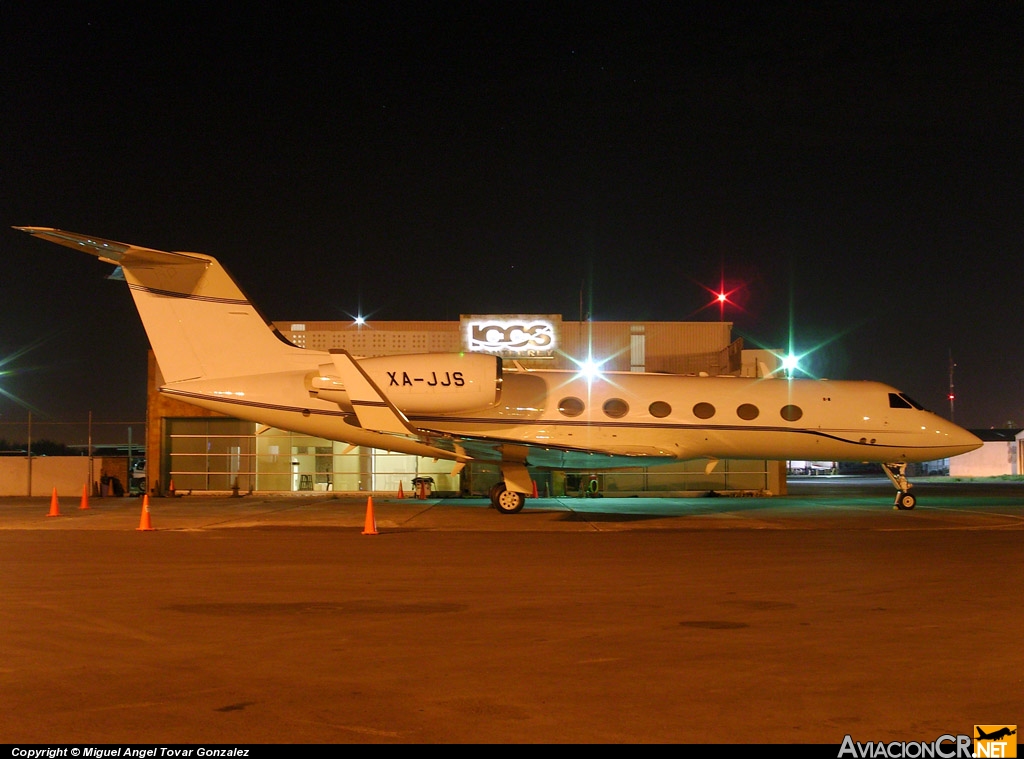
(952, 395)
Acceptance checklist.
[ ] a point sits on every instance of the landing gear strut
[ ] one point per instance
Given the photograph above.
(905, 500)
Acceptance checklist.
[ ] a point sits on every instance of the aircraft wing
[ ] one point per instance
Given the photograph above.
(556, 457)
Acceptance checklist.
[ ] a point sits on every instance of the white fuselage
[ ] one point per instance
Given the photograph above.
(631, 415)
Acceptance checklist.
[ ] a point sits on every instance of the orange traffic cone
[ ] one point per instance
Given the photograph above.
(144, 523)
(401, 493)
(172, 488)
(534, 488)
(370, 528)
(85, 497)
(54, 506)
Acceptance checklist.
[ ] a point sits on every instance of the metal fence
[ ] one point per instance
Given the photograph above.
(45, 436)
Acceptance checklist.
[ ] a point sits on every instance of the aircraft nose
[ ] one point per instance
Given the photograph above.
(963, 439)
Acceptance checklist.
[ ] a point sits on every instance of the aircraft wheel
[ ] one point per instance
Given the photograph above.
(906, 501)
(509, 502)
(496, 490)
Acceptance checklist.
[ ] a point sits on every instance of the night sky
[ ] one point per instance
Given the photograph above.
(853, 171)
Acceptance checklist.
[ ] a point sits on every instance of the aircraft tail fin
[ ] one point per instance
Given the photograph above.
(199, 322)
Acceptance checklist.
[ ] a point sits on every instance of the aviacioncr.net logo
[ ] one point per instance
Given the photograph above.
(943, 747)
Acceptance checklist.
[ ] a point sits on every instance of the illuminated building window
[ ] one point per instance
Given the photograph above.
(791, 413)
(570, 406)
(637, 348)
(615, 408)
(703, 411)
(660, 409)
(747, 411)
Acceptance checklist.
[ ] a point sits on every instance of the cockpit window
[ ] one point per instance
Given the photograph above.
(902, 401)
(911, 401)
(897, 401)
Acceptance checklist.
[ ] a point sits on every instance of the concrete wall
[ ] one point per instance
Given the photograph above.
(14, 475)
(66, 473)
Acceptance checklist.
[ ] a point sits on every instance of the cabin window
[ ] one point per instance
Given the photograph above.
(897, 401)
(791, 413)
(570, 406)
(703, 411)
(660, 409)
(747, 411)
(615, 407)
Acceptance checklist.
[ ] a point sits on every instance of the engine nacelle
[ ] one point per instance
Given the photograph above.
(423, 383)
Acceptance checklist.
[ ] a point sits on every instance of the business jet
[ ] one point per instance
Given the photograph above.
(216, 351)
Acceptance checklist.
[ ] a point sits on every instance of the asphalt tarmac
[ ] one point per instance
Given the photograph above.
(796, 619)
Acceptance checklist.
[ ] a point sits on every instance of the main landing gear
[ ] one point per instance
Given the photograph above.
(509, 495)
(905, 500)
(507, 501)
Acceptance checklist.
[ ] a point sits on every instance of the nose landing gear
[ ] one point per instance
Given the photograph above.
(905, 500)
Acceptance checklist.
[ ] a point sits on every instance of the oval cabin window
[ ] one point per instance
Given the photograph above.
(791, 413)
(703, 411)
(615, 407)
(660, 409)
(570, 406)
(747, 411)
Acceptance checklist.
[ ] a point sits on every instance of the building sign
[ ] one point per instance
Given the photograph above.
(512, 336)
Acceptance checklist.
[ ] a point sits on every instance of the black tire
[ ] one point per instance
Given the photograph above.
(906, 501)
(509, 501)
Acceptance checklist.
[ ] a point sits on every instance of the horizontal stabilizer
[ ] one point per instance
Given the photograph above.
(110, 251)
